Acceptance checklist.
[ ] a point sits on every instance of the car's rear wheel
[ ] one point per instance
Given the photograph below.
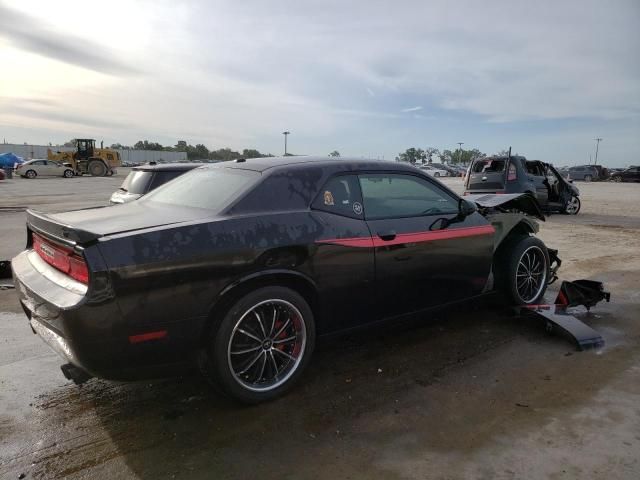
(617, 179)
(523, 270)
(437, 174)
(262, 345)
(573, 206)
(30, 174)
(588, 178)
(68, 173)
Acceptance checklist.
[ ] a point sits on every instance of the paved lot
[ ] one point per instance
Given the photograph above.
(469, 394)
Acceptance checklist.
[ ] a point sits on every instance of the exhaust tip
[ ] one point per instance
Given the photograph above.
(76, 374)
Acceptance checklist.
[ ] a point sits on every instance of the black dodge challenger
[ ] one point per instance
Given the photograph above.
(239, 266)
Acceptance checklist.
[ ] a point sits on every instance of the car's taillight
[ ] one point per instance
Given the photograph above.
(61, 258)
(512, 174)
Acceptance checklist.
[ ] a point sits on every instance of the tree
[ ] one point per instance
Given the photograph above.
(335, 153)
(224, 154)
(70, 143)
(430, 152)
(147, 145)
(412, 155)
(251, 153)
(446, 156)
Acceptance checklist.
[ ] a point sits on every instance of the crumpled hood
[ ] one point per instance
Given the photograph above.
(522, 202)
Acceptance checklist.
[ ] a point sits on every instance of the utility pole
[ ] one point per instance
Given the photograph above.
(285, 133)
(460, 152)
(598, 140)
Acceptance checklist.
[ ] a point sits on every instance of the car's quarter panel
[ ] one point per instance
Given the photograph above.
(172, 277)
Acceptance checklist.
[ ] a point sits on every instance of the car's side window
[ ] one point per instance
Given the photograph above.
(39, 162)
(340, 195)
(397, 195)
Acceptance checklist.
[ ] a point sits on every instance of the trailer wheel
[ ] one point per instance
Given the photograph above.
(97, 168)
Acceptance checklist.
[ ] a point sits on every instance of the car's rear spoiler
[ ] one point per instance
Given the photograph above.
(523, 202)
(42, 223)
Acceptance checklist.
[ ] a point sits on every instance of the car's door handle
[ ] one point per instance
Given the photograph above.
(387, 236)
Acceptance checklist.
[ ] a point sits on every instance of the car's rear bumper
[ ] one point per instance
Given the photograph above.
(92, 333)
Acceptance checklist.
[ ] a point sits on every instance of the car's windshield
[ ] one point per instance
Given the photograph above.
(210, 188)
(137, 182)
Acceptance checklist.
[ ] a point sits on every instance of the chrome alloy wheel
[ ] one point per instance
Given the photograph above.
(573, 205)
(267, 345)
(531, 274)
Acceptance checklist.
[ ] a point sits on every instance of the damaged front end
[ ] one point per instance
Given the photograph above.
(515, 212)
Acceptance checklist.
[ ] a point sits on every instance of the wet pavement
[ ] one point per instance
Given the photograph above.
(473, 393)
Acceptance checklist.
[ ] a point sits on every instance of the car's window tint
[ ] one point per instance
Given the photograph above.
(340, 195)
(488, 165)
(137, 182)
(395, 195)
(210, 188)
(160, 178)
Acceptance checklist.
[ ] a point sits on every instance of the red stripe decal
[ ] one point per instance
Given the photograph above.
(418, 237)
(144, 337)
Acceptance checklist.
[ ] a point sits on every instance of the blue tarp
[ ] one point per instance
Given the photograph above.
(8, 160)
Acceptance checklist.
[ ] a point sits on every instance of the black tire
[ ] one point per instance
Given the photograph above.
(68, 173)
(509, 270)
(97, 168)
(572, 206)
(588, 178)
(230, 371)
(437, 174)
(617, 179)
(30, 174)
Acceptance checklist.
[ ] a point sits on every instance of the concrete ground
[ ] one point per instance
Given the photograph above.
(468, 394)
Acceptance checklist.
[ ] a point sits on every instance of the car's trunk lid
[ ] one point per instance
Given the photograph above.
(85, 226)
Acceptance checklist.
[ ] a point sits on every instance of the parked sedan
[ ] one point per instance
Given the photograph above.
(433, 171)
(241, 265)
(43, 168)
(141, 180)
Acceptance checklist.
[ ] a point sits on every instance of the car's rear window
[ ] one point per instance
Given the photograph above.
(137, 182)
(484, 166)
(210, 188)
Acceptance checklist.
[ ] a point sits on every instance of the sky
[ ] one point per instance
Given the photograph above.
(367, 78)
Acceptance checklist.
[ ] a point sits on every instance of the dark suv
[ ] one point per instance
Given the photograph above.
(516, 174)
(143, 179)
(631, 174)
(588, 173)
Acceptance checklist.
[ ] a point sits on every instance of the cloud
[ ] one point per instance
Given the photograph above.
(237, 74)
(31, 34)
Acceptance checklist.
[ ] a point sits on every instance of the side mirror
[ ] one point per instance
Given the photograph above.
(466, 208)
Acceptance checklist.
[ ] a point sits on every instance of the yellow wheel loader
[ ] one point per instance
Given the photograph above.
(87, 159)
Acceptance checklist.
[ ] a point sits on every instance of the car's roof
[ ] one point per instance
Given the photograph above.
(164, 167)
(266, 163)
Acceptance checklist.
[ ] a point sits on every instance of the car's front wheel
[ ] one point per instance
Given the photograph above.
(588, 178)
(262, 344)
(523, 270)
(68, 173)
(617, 179)
(573, 206)
(30, 174)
